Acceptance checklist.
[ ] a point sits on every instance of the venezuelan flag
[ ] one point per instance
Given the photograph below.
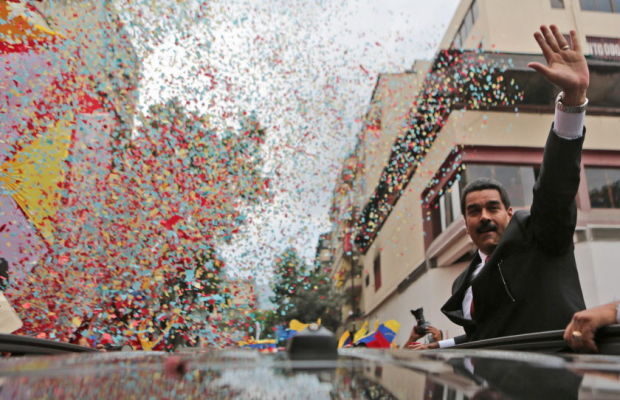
(345, 340)
(361, 332)
(382, 337)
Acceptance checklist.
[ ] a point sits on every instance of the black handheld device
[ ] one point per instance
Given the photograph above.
(422, 324)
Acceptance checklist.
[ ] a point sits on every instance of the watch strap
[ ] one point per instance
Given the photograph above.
(569, 109)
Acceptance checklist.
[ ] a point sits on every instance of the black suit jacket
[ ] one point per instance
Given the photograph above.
(530, 282)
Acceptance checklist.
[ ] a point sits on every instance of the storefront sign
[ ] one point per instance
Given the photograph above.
(601, 47)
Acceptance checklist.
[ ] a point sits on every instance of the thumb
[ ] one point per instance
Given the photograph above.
(540, 68)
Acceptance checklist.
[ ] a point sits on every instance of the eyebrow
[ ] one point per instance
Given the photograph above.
(472, 207)
(487, 204)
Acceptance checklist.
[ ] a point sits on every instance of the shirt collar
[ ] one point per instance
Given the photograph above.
(482, 255)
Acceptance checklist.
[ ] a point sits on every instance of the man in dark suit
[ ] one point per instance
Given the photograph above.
(524, 277)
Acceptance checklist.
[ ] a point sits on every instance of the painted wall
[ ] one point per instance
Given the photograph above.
(507, 25)
(599, 271)
(391, 102)
(430, 292)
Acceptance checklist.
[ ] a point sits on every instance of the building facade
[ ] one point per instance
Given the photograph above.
(389, 106)
(477, 110)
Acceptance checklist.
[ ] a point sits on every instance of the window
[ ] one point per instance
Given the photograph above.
(435, 217)
(518, 180)
(600, 5)
(377, 271)
(444, 210)
(468, 22)
(603, 187)
(557, 3)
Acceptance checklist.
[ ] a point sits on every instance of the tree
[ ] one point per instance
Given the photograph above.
(302, 294)
(268, 319)
(317, 299)
(289, 270)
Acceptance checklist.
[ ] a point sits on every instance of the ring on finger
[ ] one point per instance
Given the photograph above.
(565, 47)
(577, 335)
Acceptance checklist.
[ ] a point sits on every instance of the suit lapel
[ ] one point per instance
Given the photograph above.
(465, 283)
(453, 308)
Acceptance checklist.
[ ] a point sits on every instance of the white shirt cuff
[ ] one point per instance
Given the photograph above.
(446, 343)
(568, 125)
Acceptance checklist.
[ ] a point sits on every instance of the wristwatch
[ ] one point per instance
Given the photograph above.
(569, 109)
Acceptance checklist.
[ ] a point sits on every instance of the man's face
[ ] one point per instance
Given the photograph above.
(486, 218)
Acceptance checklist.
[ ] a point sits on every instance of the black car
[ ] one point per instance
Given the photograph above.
(520, 367)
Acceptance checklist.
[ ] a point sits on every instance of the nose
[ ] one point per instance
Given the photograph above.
(485, 215)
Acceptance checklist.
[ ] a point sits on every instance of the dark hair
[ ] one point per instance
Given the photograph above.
(483, 184)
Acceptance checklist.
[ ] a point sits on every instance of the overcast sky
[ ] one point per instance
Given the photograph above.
(307, 68)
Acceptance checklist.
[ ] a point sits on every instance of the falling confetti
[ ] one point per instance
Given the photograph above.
(162, 153)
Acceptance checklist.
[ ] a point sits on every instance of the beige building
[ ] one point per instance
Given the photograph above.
(335, 250)
(390, 102)
(477, 110)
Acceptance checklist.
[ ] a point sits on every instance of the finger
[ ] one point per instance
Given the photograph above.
(567, 333)
(575, 40)
(540, 68)
(577, 346)
(584, 343)
(589, 346)
(559, 38)
(542, 43)
(549, 38)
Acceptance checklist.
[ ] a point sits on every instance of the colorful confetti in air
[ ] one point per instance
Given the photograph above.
(159, 155)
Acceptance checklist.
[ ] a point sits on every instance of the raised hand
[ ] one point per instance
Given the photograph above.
(566, 66)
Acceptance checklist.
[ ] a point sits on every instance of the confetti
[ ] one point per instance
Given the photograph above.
(162, 154)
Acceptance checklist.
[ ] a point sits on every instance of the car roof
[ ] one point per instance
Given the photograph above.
(355, 373)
